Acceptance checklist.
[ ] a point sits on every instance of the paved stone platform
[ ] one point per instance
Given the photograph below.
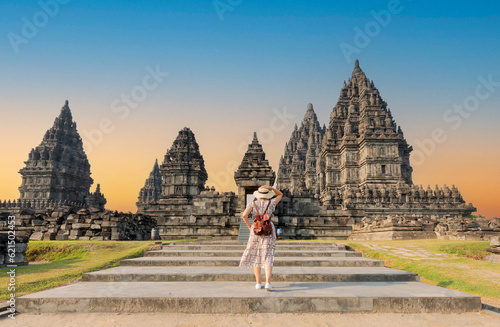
(234, 297)
(206, 279)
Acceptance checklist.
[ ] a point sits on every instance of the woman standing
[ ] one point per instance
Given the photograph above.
(260, 249)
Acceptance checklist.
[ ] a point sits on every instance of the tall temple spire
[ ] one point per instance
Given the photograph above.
(254, 171)
(58, 168)
(65, 117)
(151, 191)
(362, 117)
(183, 169)
(298, 165)
(255, 139)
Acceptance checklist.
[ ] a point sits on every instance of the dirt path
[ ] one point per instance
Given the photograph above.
(289, 320)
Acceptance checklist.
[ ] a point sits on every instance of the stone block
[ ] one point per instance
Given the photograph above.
(36, 222)
(20, 257)
(57, 214)
(95, 226)
(19, 223)
(49, 236)
(28, 211)
(80, 226)
(75, 232)
(84, 238)
(21, 247)
(66, 226)
(62, 237)
(37, 236)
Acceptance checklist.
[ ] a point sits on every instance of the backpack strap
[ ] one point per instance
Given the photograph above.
(268, 203)
(255, 206)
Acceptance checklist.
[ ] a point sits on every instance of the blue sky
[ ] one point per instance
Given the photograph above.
(227, 74)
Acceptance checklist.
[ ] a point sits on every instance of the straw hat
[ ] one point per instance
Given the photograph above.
(263, 192)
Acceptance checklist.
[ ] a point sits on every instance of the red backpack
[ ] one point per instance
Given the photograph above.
(262, 223)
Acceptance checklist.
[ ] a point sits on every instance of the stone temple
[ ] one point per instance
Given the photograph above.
(57, 171)
(352, 178)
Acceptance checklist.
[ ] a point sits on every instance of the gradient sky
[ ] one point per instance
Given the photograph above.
(227, 78)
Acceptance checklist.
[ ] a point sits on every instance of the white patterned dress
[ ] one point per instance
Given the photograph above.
(260, 249)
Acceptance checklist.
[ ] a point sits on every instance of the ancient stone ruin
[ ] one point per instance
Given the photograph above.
(63, 223)
(176, 196)
(55, 201)
(352, 179)
(57, 169)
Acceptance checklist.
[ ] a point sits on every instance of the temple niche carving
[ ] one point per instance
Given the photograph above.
(57, 170)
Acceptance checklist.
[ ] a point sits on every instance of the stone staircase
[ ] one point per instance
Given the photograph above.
(204, 277)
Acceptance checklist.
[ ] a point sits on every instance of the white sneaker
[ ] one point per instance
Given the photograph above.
(269, 288)
(258, 286)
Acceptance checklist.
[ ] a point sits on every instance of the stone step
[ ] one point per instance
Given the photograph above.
(297, 243)
(242, 297)
(229, 253)
(244, 232)
(220, 274)
(235, 261)
(242, 247)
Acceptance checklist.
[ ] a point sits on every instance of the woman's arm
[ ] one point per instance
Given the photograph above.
(245, 217)
(279, 194)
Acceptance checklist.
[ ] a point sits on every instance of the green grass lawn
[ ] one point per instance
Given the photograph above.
(455, 265)
(57, 263)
